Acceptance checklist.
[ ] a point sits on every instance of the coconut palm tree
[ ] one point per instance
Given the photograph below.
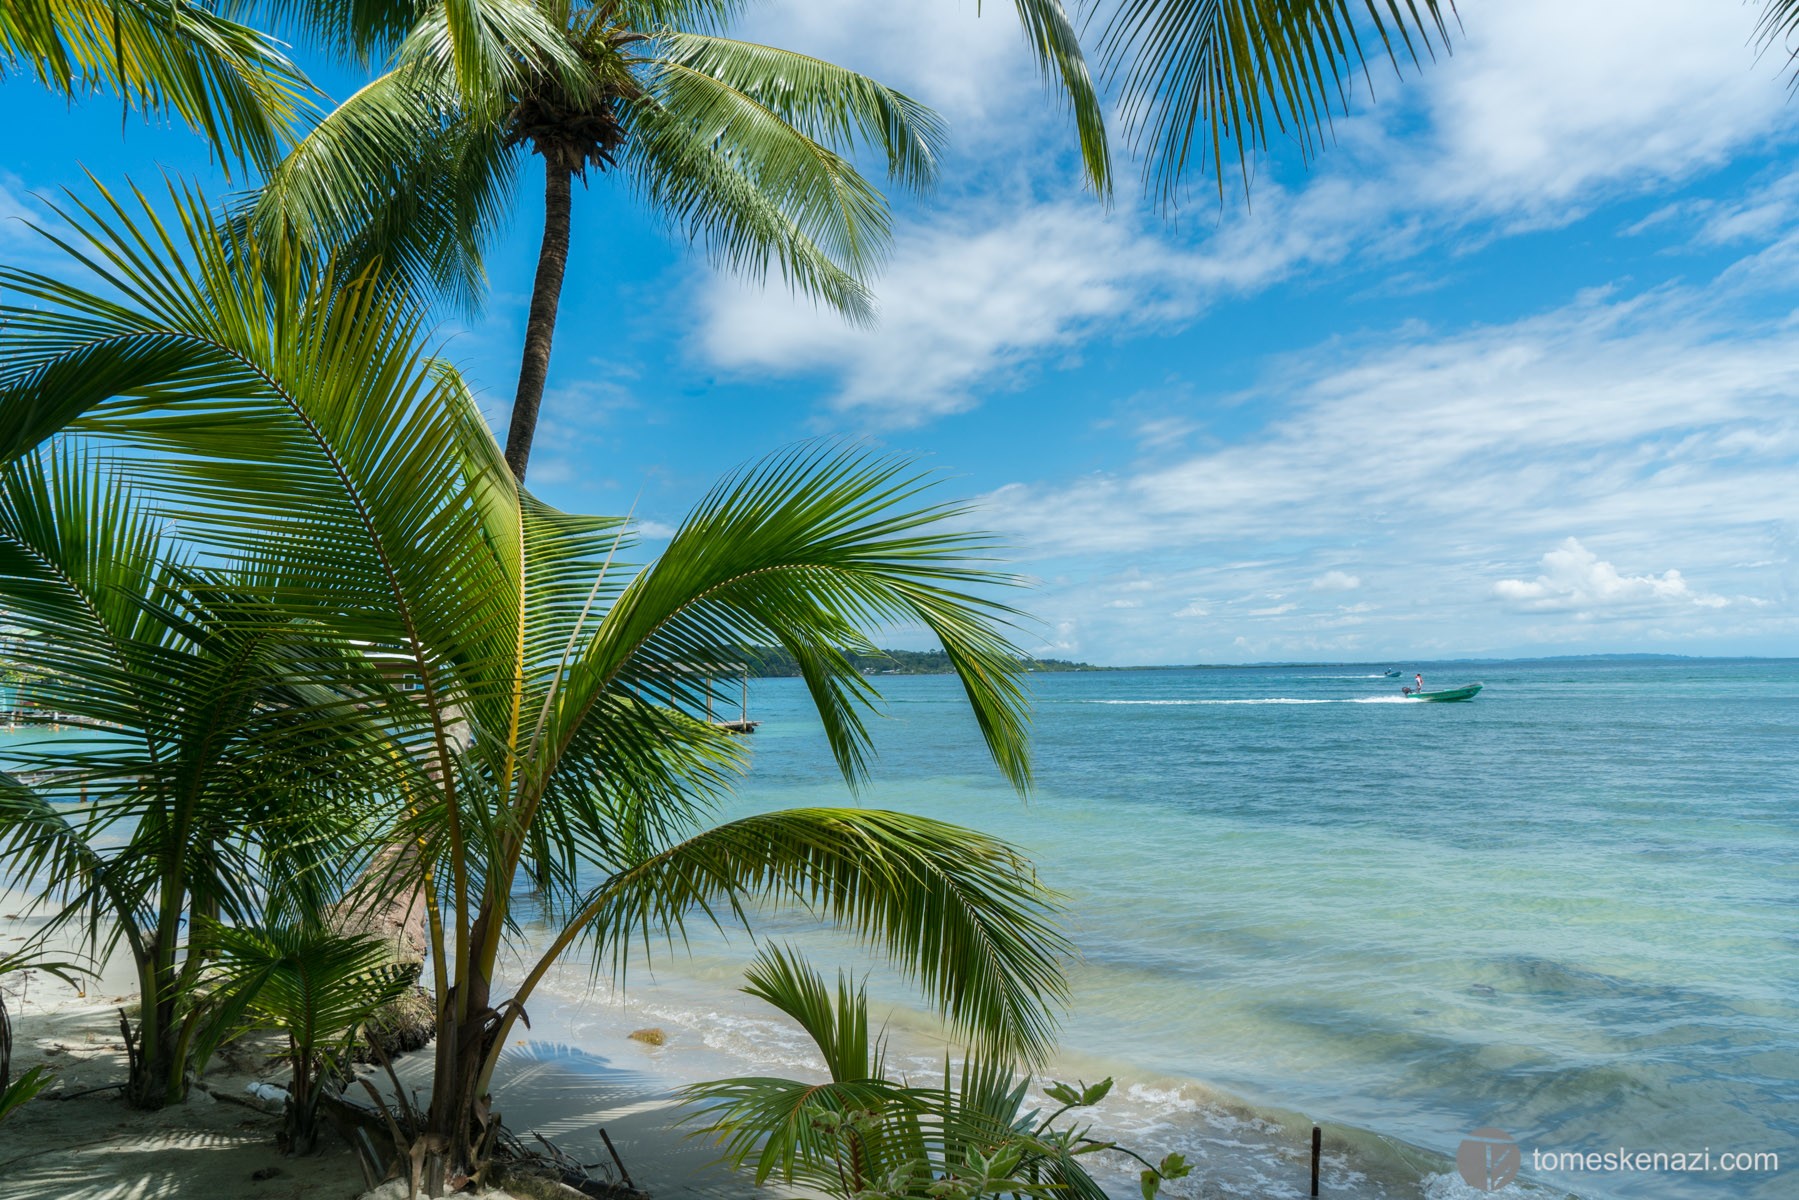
(226, 81)
(202, 729)
(317, 987)
(739, 146)
(550, 715)
(863, 1133)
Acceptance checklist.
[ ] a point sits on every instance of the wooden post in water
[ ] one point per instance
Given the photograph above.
(1317, 1150)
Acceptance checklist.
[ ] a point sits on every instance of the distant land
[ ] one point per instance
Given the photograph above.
(773, 662)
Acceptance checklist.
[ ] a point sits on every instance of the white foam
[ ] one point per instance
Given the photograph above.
(1264, 700)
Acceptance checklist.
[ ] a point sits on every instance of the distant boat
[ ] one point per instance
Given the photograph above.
(1392, 673)
(1465, 692)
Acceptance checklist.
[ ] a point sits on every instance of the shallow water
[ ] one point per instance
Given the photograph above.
(1569, 909)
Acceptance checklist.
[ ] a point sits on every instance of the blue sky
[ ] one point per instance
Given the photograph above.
(1511, 369)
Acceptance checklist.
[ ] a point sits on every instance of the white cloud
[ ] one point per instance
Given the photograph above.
(1660, 424)
(1544, 109)
(1546, 103)
(1336, 581)
(972, 66)
(958, 304)
(1575, 578)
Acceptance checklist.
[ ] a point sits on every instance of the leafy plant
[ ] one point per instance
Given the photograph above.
(547, 730)
(316, 986)
(210, 736)
(865, 1135)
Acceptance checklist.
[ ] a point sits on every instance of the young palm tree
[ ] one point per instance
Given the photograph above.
(865, 1134)
(737, 145)
(196, 726)
(550, 725)
(319, 988)
(227, 81)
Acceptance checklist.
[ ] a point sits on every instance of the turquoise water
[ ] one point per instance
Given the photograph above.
(1569, 909)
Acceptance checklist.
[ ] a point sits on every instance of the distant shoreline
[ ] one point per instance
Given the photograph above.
(772, 663)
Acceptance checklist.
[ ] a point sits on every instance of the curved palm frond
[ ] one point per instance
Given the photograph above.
(821, 100)
(489, 49)
(1198, 76)
(396, 179)
(958, 911)
(312, 984)
(709, 197)
(865, 1134)
(226, 81)
(1057, 48)
(372, 483)
(804, 550)
(822, 194)
(1777, 26)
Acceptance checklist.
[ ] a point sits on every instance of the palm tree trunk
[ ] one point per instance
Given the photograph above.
(540, 327)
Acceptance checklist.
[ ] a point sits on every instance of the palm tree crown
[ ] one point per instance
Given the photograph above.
(740, 147)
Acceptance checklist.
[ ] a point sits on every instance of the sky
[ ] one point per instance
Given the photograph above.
(1511, 368)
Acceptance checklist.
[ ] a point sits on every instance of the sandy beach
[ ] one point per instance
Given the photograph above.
(577, 1071)
(79, 1141)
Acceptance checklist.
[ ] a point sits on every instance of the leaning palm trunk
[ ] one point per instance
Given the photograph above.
(550, 727)
(540, 326)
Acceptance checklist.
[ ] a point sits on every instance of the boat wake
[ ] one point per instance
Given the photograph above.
(1264, 700)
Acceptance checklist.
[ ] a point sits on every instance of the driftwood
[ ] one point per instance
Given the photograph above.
(381, 906)
(389, 1145)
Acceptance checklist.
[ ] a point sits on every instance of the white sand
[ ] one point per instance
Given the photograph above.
(66, 1145)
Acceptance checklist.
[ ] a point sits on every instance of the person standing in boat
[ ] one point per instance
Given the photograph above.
(1419, 680)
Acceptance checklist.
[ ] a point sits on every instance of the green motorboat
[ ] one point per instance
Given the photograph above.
(1465, 692)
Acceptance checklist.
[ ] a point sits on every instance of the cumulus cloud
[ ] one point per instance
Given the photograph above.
(1660, 423)
(1576, 578)
(1544, 110)
(960, 303)
(1336, 581)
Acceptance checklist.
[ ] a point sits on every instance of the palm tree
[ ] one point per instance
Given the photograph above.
(864, 1134)
(226, 81)
(319, 988)
(549, 726)
(204, 740)
(737, 145)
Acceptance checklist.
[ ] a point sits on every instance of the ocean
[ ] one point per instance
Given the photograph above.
(1568, 910)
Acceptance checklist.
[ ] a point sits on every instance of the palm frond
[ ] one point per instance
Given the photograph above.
(958, 911)
(226, 81)
(803, 550)
(315, 985)
(1057, 47)
(825, 102)
(1199, 77)
(819, 192)
(489, 49)
(396, 179)
(707, 196)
